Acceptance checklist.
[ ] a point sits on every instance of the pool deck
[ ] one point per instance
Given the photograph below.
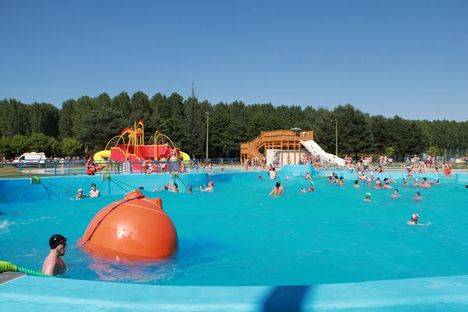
(29, 293)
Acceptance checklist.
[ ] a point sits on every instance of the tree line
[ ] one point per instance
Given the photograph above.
(84, 125)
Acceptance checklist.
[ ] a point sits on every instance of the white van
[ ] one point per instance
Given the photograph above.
(30, 159)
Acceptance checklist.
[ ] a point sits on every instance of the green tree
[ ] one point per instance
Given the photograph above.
(70, 147)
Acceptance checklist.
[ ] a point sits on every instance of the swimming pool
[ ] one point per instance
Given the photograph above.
(238, 235)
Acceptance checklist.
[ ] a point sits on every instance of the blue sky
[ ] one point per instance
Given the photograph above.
(385, 57)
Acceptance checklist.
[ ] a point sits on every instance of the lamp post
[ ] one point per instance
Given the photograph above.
(336, 137)
(207, 133)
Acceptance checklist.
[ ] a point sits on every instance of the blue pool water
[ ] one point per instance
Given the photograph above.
(238, 235)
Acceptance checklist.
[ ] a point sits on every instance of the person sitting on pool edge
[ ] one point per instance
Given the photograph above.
(53, 263)
(277, 190)
(80, 194)
(94, 192)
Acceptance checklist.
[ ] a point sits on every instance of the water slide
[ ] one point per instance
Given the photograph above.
(326, 158)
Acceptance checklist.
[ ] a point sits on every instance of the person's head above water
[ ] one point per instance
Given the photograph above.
(93, 186)
(80, 191)
(415, 217)
(277, 184)
(356, 181)
(58, 242)
(176, 185)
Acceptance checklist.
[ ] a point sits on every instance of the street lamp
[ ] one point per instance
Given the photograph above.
(336, 137)
(207, 133)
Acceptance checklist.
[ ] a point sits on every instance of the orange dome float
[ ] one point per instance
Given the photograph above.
(135, 228)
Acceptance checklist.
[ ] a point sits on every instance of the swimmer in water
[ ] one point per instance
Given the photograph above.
(341, 181)
(311, 188)
(190, 190)
(415, 219)
(94, 192)
(417, 196)
(368, 197)
(307, 176)
(424, 183)
(395, 194)
(209, 188)
(277, 190)
(356, 184)
(386, 184)
(53, 263)
(405, 181)
(378, 184)
(303, 190)
(415, 182)
(79, 194)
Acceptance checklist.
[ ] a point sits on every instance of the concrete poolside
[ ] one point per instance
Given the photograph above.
(27, 293)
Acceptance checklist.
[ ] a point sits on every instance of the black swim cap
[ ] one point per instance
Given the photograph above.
(278, 184)
(56, 240)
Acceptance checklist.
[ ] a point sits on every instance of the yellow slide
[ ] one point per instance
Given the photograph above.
(102, 156)
(185, 157)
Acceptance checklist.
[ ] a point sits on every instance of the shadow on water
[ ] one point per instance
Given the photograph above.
(286, 298)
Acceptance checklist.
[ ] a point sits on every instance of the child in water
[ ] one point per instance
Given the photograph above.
(277, 190)
(417, 196)
(395, 194)
(356, 184)
(368, 197)
(415, 219)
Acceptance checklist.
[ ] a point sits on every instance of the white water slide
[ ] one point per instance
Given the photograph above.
(326, 158)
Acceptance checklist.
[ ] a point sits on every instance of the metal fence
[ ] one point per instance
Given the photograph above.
(56, 168)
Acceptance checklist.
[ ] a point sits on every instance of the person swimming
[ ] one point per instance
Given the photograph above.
(94, 192)
(79, 194)
(395, 194)
(53, 263)
(405, 181)
(368, 197)
(415, 182)
(303, 190)
(209, 188)
(415, 220)
(424, 183)
(311, 188)
(307, 176)
(356, 184)
(378, 184)
(417, 196)
(277, 190)
(341, 181)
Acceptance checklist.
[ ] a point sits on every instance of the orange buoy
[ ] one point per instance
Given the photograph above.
(135, 228)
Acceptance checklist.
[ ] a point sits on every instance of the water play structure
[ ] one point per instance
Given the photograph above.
(135, 228)
(158, 155)
(287, 147)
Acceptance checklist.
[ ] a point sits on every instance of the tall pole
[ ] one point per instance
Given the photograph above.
(336, 137)
(207, 133)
